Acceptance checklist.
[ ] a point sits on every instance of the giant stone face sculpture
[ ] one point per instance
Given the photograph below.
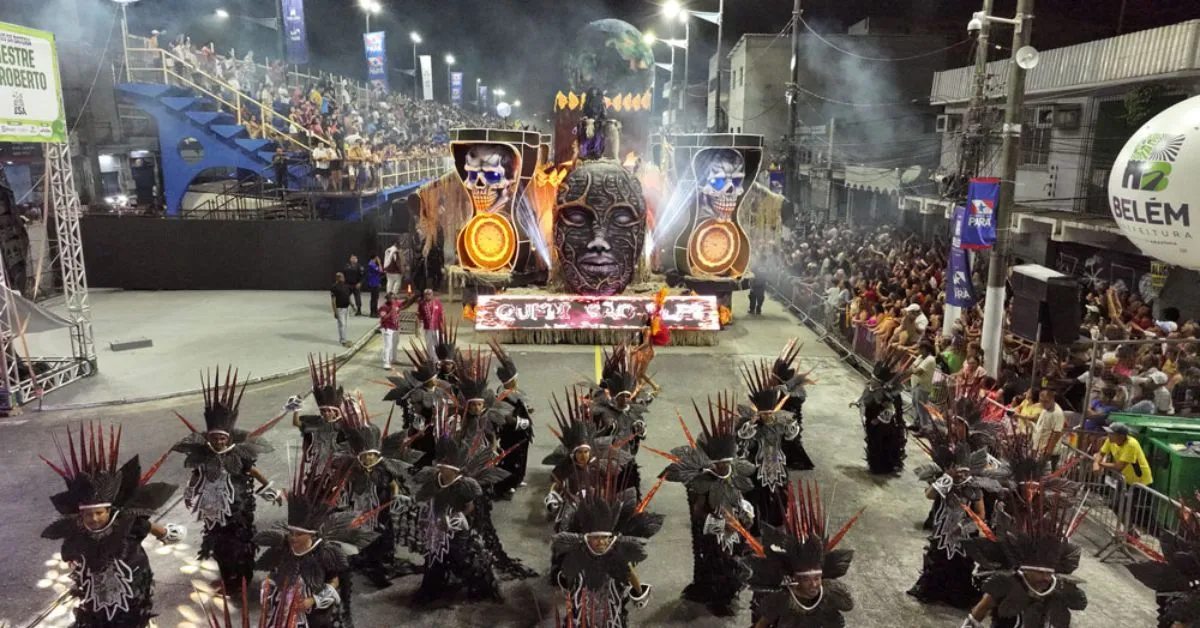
(599, 228)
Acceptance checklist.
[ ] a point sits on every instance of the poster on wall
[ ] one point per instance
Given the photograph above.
(31, 105)
(376, 60)
(295, 33)
(427, 77)
(456, 88)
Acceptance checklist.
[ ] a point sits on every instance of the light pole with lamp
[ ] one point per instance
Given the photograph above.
(416, 39)
(125, 34)
(672, 10)
(369, 7)
(450, 78)
(275, 24)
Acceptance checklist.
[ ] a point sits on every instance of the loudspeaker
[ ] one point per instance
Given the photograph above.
(1046, 297)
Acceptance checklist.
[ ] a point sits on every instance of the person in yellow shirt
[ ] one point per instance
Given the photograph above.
(1027, 412)
(1123, 453)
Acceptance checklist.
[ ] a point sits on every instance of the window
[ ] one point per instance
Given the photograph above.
(1036, 123)
(741, 77)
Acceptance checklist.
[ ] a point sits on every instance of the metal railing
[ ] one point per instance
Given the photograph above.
(398, 172)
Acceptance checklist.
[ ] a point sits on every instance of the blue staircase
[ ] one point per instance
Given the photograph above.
(182, 113)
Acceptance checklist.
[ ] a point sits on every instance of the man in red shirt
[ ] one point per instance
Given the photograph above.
(389, 324)
(429, 312)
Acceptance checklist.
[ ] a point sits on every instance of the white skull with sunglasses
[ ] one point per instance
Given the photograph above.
(487, 175)
(723, 173)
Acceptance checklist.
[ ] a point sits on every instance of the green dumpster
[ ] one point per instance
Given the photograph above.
(1162, 421)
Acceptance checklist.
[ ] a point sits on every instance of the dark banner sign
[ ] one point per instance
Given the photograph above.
(500, 312)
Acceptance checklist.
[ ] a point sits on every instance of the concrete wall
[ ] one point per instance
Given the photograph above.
(758, 90)
(170, 254)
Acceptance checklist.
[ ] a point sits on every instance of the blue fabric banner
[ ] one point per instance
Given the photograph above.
(979, 223)
(376, 60)
(296, 35)
(456, 95)
(959, 290)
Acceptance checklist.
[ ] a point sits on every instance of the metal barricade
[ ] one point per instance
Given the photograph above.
(1149, 517)
(1104, 498)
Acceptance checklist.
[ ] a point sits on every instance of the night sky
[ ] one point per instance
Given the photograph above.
(519, 44)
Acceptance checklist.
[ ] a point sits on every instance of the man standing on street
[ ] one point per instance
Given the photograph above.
(389, 323)
(429, 312)
(393, 265)
(375, 283)
(354, 274)
(758, 291)
(339, 301)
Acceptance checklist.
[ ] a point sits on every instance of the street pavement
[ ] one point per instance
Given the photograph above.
(886, 541)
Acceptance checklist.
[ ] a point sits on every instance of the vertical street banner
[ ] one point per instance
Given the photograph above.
(979, 228)
(426, 77)
(294, 32)
(376, 59)
(456, 88)
(31, 105)
(482, 97)
(959, 290)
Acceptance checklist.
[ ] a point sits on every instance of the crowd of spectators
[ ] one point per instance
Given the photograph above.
(353, 132)
(890, 283)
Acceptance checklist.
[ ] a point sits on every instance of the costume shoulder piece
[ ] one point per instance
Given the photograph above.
(88, 465)
(469, 461)
(710, 466)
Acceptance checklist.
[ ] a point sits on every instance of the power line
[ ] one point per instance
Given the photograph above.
(885, 59)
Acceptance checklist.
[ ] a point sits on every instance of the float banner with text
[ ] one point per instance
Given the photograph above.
(31, 108)
(502, 311)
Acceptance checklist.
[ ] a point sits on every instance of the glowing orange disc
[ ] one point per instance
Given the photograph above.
(488, 241)
(714, 246)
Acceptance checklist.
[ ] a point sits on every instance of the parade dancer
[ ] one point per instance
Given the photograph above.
(958, 479)
(883, 419)
(456, 556)
(517, 431)
(1174, 575)
(762, 429)
(320, 432)
(308, 557)
(598, 549)
(618, 415)
(716, 480)
(419, 393)
(447, 354)
(796, 568)
(221, 489)
(375, 463)
(105, 515)
(1029, 560)
(791, 384)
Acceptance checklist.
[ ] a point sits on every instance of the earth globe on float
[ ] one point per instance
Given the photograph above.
(1153, 187)
(610, 54)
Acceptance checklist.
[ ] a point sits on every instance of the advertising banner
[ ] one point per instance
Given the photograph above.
(959, 291)
(427, 77)
(376, 59)
(294, 31)
(482, 97)
(979, 228)
(31, 105)
(500, 312)
(456, 88)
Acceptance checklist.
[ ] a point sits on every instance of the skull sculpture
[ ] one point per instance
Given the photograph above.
(488, 175)
(721, 176)
(599, 228)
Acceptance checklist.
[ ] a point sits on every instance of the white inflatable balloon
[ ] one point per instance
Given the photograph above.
(504, 109)
(1155, 184)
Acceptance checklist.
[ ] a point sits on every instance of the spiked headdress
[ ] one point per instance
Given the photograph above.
(695, 463)
(507, 371)
(606, 534)
(613, 358)
(621, 375)
(221, 400)
(424, 370)
(89, 468)
(473, 369)
(316, 489)
(763, 394)
(575, 430)
(469, 454)
(1030, 470)
(801, 548)
(361, 435)
(1176, 572)
(323, 372)
(784, 367)
(445, 346)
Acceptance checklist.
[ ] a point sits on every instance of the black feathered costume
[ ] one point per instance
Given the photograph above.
(762, 429)
(517, 431)
(883, 421)
(320, 433)
(1175, 576)
(419, 393)
(110, 572)
(791, 385)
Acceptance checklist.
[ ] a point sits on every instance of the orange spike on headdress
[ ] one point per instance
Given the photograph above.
(841, 533)
(186, 423)
(155, 467)
(641, 507)
(984, 529)
(668, 456)
(686, 432)
(749, 538)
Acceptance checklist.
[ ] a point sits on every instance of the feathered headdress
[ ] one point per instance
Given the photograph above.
(1030, 470)
(621, 376)
(576, 430)
(323, 372)
(361, 435)
(784, 367)
(89, 468)
(221, 400)
(316, 488)
(613, 358)
(695, 464)
(424, 368)
(445, 345)
(473, 369)
(763, 395)
(800, 548)
(507, 371)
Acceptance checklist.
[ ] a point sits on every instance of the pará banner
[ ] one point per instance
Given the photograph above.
(376, 59)
(456, 88)
(297, 36)
(31, 107)
(960, 292)
(979, 228)
(427, 77)
(482, 97)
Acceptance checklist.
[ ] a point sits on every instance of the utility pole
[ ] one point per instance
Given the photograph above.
(792, 179)
(829, 211)
(993, 306)
(975, 137)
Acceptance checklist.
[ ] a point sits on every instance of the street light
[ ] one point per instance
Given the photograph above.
(369, 7)
(649, 38)
(671, 9)
(449, 59)
(416, 39)
(222, 14)
(498, 91)
(516, 104)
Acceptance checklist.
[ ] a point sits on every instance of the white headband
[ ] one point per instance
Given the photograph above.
(83, 507)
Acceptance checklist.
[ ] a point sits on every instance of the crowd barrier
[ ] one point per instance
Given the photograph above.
(1121, 519)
